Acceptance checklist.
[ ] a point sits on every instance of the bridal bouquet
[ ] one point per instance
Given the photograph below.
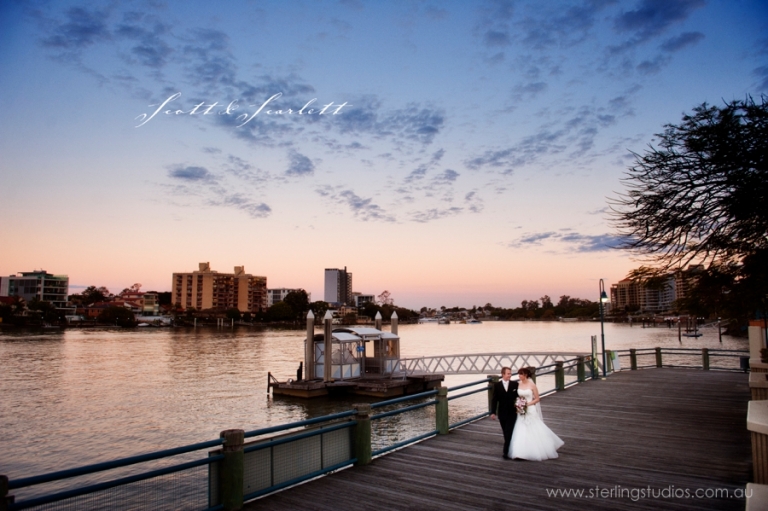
(521, 404)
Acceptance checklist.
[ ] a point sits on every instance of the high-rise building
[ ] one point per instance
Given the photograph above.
(37, 284)
(338, 286)
(208, 289)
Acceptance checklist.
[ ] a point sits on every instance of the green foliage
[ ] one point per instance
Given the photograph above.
(280, 311)
(6, 313)
(319, 308)
(299, 303)
(566, 307)
(92, 294)
(47, 310)
(699, 200)
(117, 316)
(233, 313)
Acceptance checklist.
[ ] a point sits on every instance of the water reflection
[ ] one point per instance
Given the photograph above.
(81, 396)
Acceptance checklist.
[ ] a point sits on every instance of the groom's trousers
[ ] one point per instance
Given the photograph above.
(507, 426)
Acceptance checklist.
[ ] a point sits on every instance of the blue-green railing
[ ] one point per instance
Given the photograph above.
(318, 429)
(677, 358)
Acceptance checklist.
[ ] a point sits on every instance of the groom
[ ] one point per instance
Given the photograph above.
(503, 406)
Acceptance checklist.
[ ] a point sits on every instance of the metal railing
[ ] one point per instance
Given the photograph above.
(281, 456)
(479, 363)
(730, 360)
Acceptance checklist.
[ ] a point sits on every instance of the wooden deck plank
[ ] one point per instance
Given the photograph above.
(662, 429)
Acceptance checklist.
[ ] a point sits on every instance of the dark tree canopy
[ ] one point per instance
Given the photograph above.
(299, 302)
(700, 196)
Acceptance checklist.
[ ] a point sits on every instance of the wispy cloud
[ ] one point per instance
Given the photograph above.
(253, 208)
(573, 241)
(573, 133)
(82, 28)
(434, 214)
(362, 208)
(682, 41)
(651, 18)
(191, 173)
(300, 165)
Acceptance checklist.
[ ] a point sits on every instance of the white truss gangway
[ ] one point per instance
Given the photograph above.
(486, 363)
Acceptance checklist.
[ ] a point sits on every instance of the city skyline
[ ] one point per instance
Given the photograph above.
(452, 153)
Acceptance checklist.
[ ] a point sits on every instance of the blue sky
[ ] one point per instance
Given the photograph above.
(465, 153)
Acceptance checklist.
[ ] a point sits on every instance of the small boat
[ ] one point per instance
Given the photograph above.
(474, 321)
(427, 320)
(443, 321)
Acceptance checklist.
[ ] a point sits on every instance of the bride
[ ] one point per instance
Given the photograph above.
(531, 438)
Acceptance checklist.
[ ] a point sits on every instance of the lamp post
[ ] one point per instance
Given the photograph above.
(603, 299)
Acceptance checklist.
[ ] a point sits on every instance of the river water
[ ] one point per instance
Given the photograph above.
(77, 397)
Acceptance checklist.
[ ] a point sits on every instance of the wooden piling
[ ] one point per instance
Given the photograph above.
(362, 434)
(441, 411)
(232, 470)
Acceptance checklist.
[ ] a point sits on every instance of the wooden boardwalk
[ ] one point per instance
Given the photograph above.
(657, 430)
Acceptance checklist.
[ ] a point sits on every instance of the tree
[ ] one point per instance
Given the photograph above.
(280, 311)
(117, 316)
(93, 294)
(370, 309)
(233, 313)
(319, 308)
(46, 309)
(299, 302)
(699, 197)
(385, 298)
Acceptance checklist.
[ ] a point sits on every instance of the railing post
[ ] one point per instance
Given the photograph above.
(441, 411)
(658, 357)
(533, 374)
(582, 376)
(559, 375)
(608, 361)
(232, 470)
(494, 380)
(5, 499)
(362, 434)
(705, 358)
(633, 359)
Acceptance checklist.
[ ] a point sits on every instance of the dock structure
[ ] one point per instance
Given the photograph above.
(652, 439)
(353, 360)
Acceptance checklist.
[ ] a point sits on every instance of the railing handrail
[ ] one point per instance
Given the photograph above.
(583, 358)
(109, 465)
(298, 424)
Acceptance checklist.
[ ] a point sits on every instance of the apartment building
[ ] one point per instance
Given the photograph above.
(338, 286)
(37, 284)
(630, 294)
(359, 299)
(209, 289)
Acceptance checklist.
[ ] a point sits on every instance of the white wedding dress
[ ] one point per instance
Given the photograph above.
(531, 438)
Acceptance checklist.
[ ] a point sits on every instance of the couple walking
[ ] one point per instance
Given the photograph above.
(525, 434)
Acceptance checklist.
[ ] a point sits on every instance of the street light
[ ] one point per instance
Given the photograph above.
(603, 299)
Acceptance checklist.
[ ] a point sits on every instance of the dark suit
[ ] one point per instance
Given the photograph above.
(503, 406)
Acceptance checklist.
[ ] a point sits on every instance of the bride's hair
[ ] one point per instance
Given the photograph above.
(526, 371)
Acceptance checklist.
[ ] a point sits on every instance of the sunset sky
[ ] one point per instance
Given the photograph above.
(465, 152)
